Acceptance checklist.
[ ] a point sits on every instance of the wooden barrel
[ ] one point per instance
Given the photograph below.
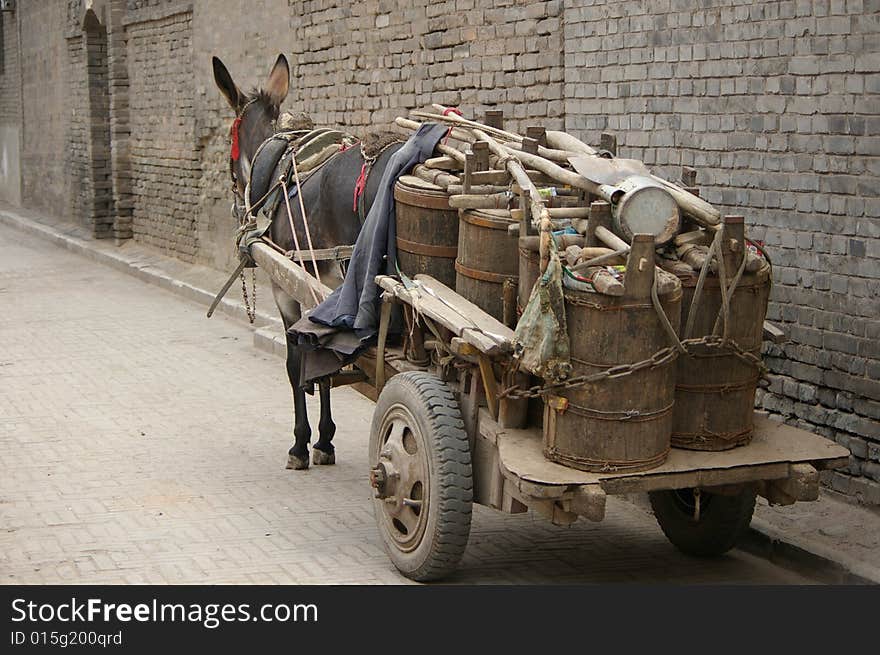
(715, 390)
(617, 424)
(427, 230)
(487, 258)
(529, 272)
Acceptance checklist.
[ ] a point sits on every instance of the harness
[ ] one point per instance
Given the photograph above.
(283, 162)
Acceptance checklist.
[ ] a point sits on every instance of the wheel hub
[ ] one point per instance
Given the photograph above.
(400, 478)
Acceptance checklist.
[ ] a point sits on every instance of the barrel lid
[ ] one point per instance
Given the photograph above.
(414, 183)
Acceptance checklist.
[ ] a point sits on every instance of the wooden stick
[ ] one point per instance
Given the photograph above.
(501, 134)
(513, 141)
(547, 153)
(512, 163)
(564, 141)
(555, 224)
(609, 193)
(563, 241)
(439, 178)
(604, 282)
(457, 134)
(558, 212)
(600, 257)
(442, 148)
(612, 240)
(665, 281)
(457, 155)
(445, 163)
(484, 201)
(294, 280)
(456, 189)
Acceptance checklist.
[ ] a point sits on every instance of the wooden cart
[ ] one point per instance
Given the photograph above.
(441, 440)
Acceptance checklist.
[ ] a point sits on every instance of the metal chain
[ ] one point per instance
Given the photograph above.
(250, 303)
(659, 358)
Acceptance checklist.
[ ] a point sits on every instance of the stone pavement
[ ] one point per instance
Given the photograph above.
(140, 442)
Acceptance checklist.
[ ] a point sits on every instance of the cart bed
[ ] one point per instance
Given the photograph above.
(781, 459)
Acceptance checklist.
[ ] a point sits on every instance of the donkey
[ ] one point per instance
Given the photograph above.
(333, 220)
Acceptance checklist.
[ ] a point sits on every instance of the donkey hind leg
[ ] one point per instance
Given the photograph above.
(323, 451)
(298, 455)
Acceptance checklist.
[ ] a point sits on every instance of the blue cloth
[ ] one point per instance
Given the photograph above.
(338, 329)
(354, 304)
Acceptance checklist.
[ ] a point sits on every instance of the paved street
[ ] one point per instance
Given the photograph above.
(143, 443)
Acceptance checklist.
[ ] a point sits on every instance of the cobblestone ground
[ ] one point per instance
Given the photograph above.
(143, 443)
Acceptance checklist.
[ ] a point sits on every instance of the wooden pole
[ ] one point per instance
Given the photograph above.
(291, 277)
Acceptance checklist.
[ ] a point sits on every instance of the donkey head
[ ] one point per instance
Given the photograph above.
(255, 115)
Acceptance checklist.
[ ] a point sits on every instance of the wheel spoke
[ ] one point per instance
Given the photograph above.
(395, 436)
(409, 519)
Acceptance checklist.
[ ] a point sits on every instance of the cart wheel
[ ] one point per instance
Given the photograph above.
(421, 472)
(710, 531)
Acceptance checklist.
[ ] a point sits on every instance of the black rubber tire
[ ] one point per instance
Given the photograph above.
(723, 519)
(438, 417)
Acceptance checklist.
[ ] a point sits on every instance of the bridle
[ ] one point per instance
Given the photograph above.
(240, 209)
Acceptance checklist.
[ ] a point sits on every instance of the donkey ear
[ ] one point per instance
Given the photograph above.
(226, 85)
(279, 81)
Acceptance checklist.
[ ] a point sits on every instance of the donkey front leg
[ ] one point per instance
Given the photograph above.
(323, 452)
(298, 455)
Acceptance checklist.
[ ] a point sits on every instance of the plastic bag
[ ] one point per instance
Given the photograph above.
(540, 342)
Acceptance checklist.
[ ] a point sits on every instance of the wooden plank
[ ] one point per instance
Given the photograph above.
(292, 279)
(480, 320)
(490, 385)
(440, 303)
(773, 448)
(384, 321)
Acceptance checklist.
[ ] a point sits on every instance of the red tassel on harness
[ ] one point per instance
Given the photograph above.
(234, 152)
(359, 186)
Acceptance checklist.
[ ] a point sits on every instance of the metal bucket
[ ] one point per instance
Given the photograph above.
(617, 424)
(427, 230)
(488, 259)
(715, 389)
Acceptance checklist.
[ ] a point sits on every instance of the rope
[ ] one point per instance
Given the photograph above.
(446, 112)
(295, 239)
(664, 320)
(729, 293)
(722, 282)
(698, 291)
(302, 208)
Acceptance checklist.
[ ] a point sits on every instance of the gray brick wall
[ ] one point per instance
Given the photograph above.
(10, 110)
(777, 105)
(363, 63)
(165, 163)
(77, 180)
(47, 110)
(10, 83)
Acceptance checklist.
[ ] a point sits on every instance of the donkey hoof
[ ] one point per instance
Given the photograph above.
(297, 463)
(319, 457)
